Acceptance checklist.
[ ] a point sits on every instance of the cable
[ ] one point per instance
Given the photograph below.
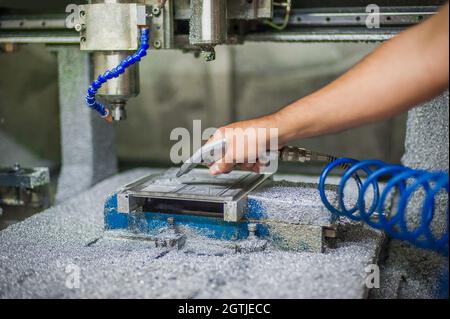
(115, 73)
(406, 182)
(286, 18)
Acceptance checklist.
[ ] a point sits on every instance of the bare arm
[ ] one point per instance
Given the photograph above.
(399, 74)
(404, 71)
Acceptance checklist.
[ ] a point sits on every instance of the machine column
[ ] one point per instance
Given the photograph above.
(88, 150)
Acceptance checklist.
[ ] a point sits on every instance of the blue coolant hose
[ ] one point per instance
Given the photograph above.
(114, 73)
(405, 182)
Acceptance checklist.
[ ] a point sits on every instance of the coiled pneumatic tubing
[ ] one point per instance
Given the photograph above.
(402, 180)
(114, 73)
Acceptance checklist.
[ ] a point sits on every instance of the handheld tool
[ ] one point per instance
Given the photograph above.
(211, 152)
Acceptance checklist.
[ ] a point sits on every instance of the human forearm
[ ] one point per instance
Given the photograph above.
(402, 72)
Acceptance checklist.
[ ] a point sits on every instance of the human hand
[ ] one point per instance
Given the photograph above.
(247, 144)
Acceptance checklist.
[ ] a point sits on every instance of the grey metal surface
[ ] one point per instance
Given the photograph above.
(208, 22)
(230, 189)
(325, 35)
(88, 151)
(32, 22)
(162, 24)
(305, 25)
(110, 26)
(36, 254)
(356, 16)
(45, 37)
(236, 9)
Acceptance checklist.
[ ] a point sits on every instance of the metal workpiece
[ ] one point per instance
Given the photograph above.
(110, 25)
(208, 25)
(196, 194)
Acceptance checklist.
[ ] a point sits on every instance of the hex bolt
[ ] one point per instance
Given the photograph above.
(209, 55)
(157, 44)
(156, 11)
(251, 230)
(79, 27)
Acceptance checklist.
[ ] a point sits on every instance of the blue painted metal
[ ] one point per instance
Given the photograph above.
(255, 211)
(153, 222)
(115, 73)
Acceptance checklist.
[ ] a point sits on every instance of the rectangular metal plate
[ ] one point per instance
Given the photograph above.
(229, 189)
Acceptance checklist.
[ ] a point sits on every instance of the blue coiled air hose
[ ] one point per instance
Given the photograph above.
(114, 73)
(405, 182)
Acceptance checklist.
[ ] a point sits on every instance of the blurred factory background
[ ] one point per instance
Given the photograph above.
(247, 81)
(44, 123)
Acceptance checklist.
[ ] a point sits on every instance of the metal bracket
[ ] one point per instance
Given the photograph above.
(161, 22)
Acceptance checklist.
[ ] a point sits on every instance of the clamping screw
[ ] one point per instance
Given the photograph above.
(156, 11)
(171, 222)
(251, 230)
(157, 44)
(79, 27)
(209, 55)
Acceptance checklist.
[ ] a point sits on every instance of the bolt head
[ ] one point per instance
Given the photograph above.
(157, 44)
(156, 11)
(251, 227)
(209, 55)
